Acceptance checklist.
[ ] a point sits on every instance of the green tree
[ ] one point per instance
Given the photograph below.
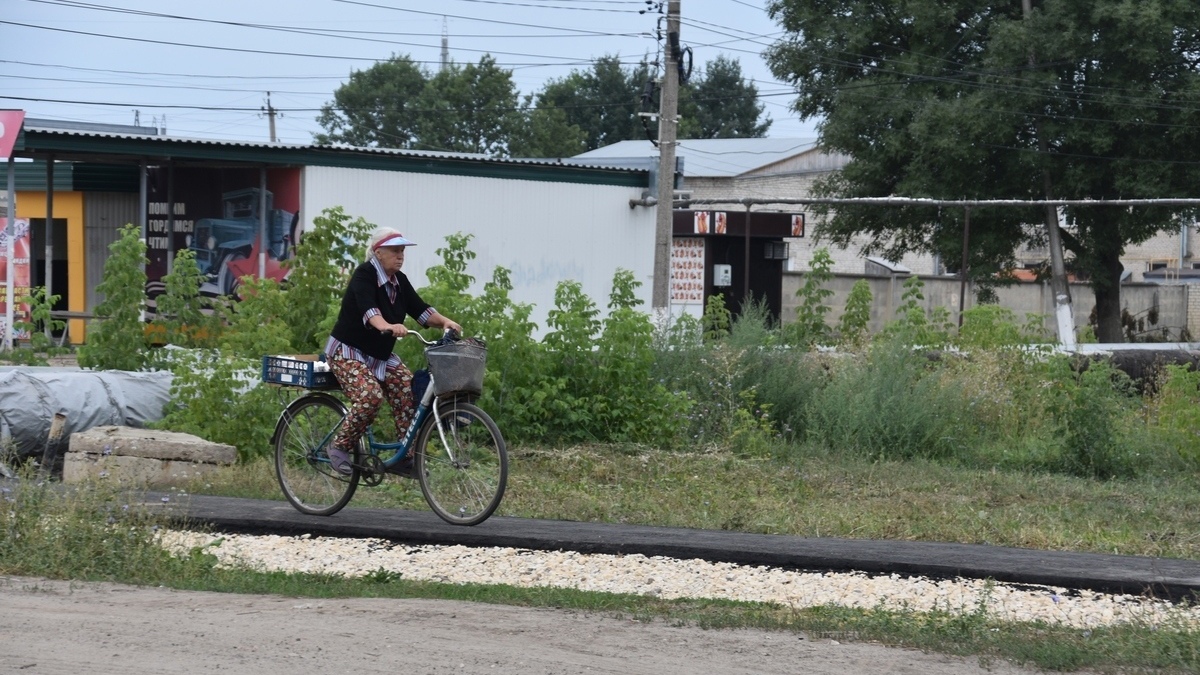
(721, 103)
(1082, 99)
(470, 108)
(377, 107)
(546, 133)
(603, 102)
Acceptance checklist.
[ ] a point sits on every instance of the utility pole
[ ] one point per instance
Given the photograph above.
(667, 127)
(270, 113)
(1063, 313)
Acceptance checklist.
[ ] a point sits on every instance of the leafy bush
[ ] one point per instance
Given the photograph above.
(185, 318)
(1177, 407)
(318, 272)
(890, 405)
(716, 319)
(857, 316)
(512, 384)
(215, 393)
(713, 381)
(1092, 401)
(40, 346)
(810, 327)
(989, 326)
(915, 326)
(118, 341)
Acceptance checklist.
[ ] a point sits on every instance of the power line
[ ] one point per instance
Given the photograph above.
(579, 31)
(319, 32)
(568, 7)
(152, 86)
(158, 74)
(567, 61)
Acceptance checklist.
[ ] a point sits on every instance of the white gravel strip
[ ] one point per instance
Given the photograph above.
(671, 578)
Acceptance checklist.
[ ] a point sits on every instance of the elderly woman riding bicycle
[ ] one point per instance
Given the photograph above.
(359, 350)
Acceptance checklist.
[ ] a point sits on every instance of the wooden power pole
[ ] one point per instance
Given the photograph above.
(270, 112)
(667, 128)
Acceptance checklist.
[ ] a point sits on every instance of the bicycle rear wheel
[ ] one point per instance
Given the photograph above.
(463, 479)
(308, 481)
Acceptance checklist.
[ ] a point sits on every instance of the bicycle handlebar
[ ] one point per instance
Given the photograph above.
(453, 334)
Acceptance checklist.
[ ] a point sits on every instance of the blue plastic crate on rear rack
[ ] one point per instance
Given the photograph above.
(306, 371)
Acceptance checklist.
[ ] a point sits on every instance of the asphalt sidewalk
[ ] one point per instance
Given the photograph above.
(1165, 578)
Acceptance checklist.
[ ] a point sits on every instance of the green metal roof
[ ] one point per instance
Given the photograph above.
(77, 176)
(108, 147)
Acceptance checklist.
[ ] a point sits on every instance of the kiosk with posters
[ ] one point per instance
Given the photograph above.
(741, 257)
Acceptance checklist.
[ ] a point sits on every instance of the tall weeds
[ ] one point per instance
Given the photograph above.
(976, 396)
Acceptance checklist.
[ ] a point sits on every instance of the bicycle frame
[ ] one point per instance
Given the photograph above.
(427, 403)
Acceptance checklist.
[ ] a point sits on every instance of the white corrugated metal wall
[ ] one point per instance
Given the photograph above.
(544, 232)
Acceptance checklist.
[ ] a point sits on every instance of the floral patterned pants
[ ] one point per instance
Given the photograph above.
(366, 394)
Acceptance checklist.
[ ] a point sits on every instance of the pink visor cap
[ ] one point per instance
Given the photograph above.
(396, 239)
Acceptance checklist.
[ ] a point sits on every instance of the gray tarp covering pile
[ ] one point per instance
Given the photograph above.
(30, 397)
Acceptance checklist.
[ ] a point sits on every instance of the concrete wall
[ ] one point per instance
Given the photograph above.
(1178, 306)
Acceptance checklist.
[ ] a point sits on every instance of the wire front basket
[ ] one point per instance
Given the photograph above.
(457, 367)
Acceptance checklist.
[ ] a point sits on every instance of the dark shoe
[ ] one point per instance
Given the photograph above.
(339, 461)
(405, 468)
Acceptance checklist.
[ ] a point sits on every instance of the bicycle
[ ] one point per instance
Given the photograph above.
(459, 456)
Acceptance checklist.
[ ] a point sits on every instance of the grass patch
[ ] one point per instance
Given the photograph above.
(811, 493)
(815, 494)
(96, 534)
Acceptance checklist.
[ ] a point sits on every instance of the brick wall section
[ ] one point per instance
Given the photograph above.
(1161, 248)
(1193, 309)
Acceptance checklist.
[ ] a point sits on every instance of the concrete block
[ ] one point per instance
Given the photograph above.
(146, 457)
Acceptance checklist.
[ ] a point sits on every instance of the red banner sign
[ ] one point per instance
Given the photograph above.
(10, 127)
(20, 273)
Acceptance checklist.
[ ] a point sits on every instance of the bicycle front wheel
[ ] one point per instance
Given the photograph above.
(305, 429)
(462, 470)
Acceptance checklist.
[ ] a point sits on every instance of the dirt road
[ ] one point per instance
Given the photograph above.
(53, 627)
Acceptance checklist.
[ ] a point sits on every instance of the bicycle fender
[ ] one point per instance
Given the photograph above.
(458, 397)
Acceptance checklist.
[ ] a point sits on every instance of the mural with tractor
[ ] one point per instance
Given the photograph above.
(221, 216)
(227, 247)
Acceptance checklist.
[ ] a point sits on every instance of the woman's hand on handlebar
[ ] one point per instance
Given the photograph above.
(395, 329)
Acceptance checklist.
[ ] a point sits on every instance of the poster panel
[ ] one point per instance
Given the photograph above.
(721, 222)
(21, 274)
(216, 215)
(10, 128)
(687, 270)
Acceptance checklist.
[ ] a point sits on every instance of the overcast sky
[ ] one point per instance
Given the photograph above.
(204, 68)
